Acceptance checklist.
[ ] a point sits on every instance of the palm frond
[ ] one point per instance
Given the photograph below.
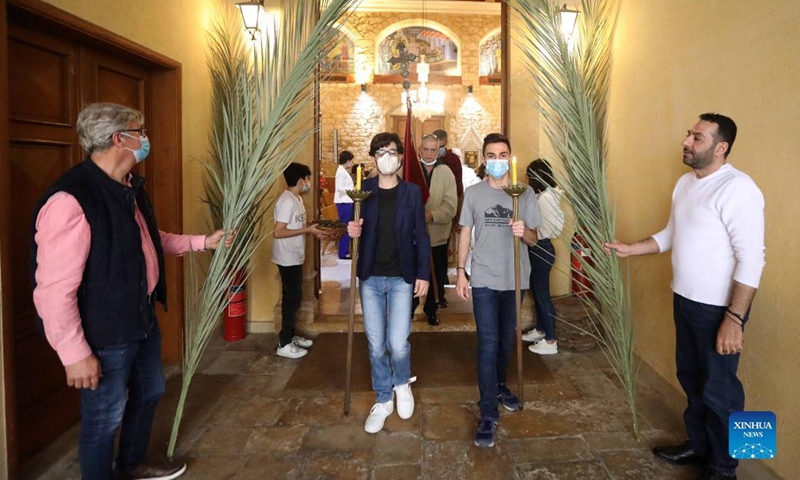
(572, 88)
(261, 95)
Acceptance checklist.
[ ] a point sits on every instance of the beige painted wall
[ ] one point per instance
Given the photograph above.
(675, 59)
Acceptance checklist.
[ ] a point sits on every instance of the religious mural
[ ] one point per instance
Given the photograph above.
(490, 55)
(441, 53)
(341, 58)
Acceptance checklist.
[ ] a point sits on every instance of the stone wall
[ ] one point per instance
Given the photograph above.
(359, 116)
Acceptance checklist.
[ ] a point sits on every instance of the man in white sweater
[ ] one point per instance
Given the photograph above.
(716, 233)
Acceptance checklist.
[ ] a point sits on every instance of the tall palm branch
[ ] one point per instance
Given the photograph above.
(572, 88)
(261, 96)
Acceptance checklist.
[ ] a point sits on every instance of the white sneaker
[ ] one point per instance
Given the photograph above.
(302, 342)
(405, 399)
(543, 348)
(377, 416)
(290, 350)
(532, 336)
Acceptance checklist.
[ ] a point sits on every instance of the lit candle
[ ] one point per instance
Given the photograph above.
(513, 170)
(358, 178)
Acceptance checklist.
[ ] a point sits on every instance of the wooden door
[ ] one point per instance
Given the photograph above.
(50, 79)
(43, 144)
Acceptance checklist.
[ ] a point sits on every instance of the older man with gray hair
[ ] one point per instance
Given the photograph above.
(97, 268)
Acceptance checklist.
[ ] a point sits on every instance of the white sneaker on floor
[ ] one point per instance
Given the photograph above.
(290, 350)
(543, 348)
(377, 416)
(532, 336)
(405, 399)
(302, 342)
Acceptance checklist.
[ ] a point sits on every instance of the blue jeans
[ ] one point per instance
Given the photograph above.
(496, 322)
(127, 395)
(386, 303)
(709, 380)
(345, 211)
(542, 256)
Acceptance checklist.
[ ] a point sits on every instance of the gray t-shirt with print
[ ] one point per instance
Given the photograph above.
(488, 211)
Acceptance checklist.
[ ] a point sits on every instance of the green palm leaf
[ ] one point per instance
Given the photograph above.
(261, 95)
(572, 87)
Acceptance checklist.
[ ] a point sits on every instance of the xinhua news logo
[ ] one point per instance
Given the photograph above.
(752, 435)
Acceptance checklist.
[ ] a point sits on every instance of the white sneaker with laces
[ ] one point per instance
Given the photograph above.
(290, 350)
(405, 399)
(543, 348)
(302, 342)
(532, 336)
(377, 416)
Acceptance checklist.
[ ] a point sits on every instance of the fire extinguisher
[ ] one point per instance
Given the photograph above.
(236, 311)
(581, 285)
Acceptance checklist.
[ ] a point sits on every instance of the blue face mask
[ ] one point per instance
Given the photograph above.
(441, 152)
(306, 187)
(497, 168)
(143, 151)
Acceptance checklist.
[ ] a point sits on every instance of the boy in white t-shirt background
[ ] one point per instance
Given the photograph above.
(289, 252)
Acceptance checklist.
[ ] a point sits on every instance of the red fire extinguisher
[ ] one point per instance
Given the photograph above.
(236, 311)
(581, 285)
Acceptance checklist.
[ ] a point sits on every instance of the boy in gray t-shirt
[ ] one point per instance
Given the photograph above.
(488, 210)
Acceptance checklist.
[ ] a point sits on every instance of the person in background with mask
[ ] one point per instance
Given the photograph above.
(542, 255)
(439, 212)
(344, 204)
(97, 268)
(289, 253)
(488, 211)
(393, 267)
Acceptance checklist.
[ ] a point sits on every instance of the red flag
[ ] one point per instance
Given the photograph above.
(412, 170)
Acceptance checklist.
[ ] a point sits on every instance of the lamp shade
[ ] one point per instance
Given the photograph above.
(251, 15)
(568, 20)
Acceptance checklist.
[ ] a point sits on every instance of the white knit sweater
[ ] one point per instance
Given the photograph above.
(716, 233)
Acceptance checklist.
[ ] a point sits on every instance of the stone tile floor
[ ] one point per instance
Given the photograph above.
(240, 424)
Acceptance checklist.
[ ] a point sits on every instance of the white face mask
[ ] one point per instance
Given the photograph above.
(429, 164)
(388, 164)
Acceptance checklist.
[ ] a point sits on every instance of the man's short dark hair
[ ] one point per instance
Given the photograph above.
(440, 134)
(294, 172)
(495, 138)
(383, 140)
(726, 129)
(345, 156)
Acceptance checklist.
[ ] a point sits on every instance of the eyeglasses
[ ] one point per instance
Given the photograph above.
(142, 131)
(381, 153)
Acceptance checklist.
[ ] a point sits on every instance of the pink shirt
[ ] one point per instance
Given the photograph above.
(63, 237)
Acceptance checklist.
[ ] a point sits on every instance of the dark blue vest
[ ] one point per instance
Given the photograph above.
(113, 299)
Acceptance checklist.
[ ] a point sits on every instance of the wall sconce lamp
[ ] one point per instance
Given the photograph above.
(252, 14)
(469, 89)
(568, 20)
(362, 71)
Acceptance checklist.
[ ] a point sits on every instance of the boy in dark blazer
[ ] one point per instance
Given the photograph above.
(393, 263)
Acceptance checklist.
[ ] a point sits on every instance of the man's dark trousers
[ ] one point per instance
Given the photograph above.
(709, 380)
(439, 256)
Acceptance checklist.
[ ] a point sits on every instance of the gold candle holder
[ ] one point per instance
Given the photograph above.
(358, 196)
(515, 191)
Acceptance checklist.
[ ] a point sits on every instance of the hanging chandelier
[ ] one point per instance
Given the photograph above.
(424, 103)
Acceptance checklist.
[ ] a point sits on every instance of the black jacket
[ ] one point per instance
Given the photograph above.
(113, 297)
(413, 243)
